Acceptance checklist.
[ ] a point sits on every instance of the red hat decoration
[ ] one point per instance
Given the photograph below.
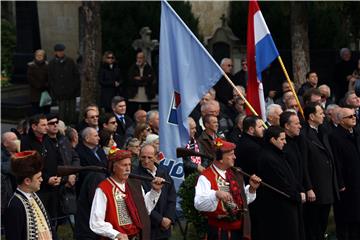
(223, 145)
(116, 154)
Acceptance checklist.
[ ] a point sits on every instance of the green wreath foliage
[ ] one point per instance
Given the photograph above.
(187, 194)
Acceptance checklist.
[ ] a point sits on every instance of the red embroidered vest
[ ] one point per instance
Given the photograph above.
(215, 218)
(115, 211)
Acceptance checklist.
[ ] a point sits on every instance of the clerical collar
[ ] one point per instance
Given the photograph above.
(221, 172)
(26, 194)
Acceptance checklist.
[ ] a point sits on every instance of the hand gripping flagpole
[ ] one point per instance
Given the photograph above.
(291, 85)
(243, 98)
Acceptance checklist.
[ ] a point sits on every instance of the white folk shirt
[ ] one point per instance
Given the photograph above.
(205, 197)
(98, 209)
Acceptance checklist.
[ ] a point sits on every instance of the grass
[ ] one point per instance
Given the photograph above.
(65, 232)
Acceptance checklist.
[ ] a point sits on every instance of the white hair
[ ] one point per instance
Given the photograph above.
(150, 115)
(271, 109)
(224, 60)
(343, 50)
(86, 132)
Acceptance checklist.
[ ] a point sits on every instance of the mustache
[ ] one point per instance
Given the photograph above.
(127, 173)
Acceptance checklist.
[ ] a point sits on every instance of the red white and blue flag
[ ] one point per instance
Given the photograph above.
(261, 51)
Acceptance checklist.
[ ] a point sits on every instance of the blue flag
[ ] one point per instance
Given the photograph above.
(186, 72)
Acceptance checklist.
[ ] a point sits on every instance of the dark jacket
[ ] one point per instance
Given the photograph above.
(166, 205)
(88, 158)
(121, 129)
(224, 90)
(304, 87)
(68, 154)
(37, 75)
(296, 156)
(50, 154)
(320, 165)
(64, 81)
(346, 149)
(87, 192)
(148, 80)
(206, 145)
(8, 181)
(280, 216)
(107, 78)
(247, 153)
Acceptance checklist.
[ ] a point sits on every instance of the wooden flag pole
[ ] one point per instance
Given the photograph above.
(243, 98)
(291, 85)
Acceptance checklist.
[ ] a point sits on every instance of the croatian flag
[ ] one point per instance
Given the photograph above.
(186, 72)
(261, 51)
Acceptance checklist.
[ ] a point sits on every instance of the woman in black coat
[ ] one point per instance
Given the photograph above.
(280, 218)
(109, 79)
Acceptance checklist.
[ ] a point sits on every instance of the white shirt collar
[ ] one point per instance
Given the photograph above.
(27, 195)
(120, 185)
(221, 172)
(153, 173)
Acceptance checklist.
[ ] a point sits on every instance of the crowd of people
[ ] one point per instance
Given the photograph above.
(309, 152)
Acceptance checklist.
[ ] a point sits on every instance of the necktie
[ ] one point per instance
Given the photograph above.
(122, 119)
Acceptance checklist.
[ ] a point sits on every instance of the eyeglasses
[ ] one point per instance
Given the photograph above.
(350, 116)
(229, 65)
(53, 123)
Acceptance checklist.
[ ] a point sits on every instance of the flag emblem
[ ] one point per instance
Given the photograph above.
(176, 100)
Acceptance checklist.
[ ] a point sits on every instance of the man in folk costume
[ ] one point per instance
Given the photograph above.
(221, 195)
(25, 216)
(120, 209)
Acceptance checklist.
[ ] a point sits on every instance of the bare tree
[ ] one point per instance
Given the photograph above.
(90, 51)
(299, 41)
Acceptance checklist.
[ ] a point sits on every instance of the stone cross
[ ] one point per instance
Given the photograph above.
(145, 43)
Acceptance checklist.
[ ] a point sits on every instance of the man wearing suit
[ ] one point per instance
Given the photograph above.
(323, 187)
(163, 215)
(118, 105)
(345, 142)
(90, 153)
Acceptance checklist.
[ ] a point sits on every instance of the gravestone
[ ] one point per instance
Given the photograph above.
(223, 43)
(145, 43)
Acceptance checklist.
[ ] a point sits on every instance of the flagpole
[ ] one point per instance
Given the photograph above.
(243, 98)
(291, 85)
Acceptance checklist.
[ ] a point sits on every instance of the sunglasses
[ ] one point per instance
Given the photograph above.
(96, 116)
(350, 116)
(229, 65)
(53, 123)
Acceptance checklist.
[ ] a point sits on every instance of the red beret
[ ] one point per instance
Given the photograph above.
(223, 145)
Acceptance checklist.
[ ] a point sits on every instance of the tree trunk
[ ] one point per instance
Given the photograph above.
(299, 41)
(90, 52)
